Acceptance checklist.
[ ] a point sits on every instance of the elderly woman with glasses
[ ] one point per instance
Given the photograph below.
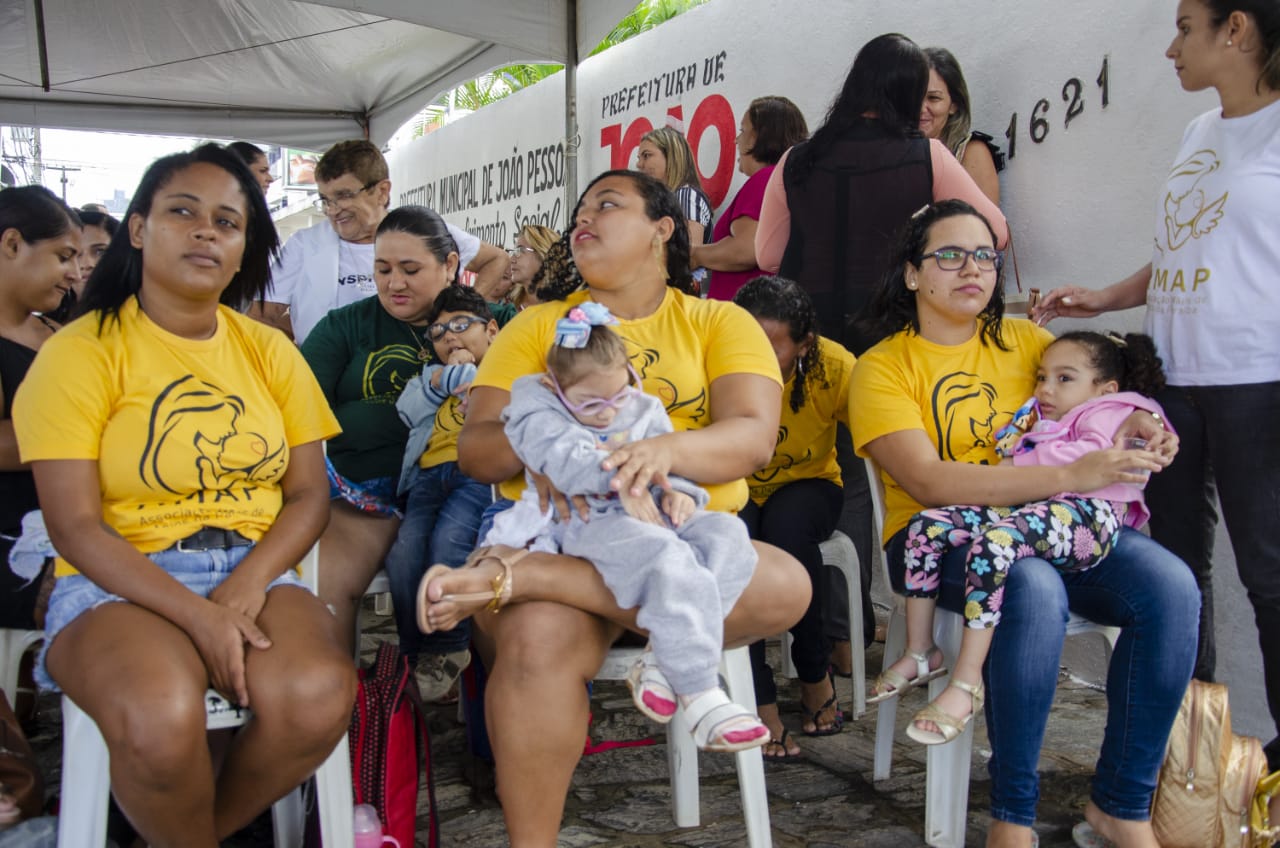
(363, 355)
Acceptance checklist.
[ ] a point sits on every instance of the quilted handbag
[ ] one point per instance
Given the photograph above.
(1205, 794)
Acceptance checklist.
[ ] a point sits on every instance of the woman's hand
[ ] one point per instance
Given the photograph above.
(1068, 302)
(1143, 425)
(240, 595)
(549, 494)
(1098, 469)
(678, 506)
(220, 634)
(641, 507)
(640, 465)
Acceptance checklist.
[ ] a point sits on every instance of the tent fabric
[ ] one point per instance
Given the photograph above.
(299, 74)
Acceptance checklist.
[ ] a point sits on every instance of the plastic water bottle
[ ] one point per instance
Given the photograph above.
(368, 828)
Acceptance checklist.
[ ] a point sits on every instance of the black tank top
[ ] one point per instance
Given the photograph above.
(846, 210)
(17, 488)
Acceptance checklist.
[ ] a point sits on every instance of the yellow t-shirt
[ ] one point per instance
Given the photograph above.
(678, 351)
(807, 439)
(186, 433)
(959, 395)
(442, 447)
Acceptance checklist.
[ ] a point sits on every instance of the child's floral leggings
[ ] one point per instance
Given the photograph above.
(1070, 533)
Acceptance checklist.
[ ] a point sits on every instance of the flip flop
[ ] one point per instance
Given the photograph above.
(782, 742)
(837, 724)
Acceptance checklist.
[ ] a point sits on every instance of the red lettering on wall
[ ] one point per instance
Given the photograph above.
(715, 112)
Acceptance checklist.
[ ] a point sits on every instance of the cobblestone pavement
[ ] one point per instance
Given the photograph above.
(825, 799)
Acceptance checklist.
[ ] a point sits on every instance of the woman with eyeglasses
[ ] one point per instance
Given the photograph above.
(532, 244)
(925, 405)
(363, 355)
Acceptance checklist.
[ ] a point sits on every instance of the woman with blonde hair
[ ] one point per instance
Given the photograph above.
(664, 154)
(532, 244)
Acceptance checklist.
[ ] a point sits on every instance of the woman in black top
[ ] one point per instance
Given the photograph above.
(39, 244)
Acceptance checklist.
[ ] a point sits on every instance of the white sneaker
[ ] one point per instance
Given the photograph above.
(437, 673)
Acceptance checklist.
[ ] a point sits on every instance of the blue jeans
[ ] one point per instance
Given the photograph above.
(441, 520)
(1141, 588)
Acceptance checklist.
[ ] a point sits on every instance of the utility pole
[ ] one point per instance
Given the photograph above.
(63, 169)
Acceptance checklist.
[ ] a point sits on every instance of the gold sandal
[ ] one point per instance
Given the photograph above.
(949, 726)
(497, 597)
(891, 684)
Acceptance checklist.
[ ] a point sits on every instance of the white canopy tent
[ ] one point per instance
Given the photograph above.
(301, 74)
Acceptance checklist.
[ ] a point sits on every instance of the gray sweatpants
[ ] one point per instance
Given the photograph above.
(684, 581)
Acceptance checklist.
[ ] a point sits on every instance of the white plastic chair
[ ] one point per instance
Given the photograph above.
(86, 780)
(840, 553)
(13, 644)
(947, 766)
(682, 754)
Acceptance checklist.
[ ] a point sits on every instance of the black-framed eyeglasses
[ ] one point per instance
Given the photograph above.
(953, 258)
(457, 325)
(342, 198)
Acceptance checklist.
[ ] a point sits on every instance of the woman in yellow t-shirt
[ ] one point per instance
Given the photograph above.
(796, 499)
(949, 375)
(176, 447)
(711, 365)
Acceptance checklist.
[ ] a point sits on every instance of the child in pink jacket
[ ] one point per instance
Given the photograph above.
(1086, 386)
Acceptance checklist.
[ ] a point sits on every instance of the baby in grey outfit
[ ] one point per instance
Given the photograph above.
(682, 565)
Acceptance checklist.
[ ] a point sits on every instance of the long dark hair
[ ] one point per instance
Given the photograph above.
(893, 306)
(36, 213)
(889, 78)
(659, 202)
(782, 300)
(1131, 360)
(427, 225)
(118, 276)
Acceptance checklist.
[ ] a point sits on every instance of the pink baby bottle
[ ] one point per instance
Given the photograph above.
(368, 828)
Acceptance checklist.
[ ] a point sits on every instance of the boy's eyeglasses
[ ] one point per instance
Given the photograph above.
(457, 326)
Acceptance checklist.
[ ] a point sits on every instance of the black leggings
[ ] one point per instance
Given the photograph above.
(798, 518)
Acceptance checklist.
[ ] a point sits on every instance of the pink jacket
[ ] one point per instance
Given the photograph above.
(1089, 427)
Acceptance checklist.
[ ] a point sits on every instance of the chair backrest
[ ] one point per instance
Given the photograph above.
(876, 485)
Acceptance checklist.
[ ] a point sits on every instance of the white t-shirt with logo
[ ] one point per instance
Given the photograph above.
(317, 272)
(1213, 301)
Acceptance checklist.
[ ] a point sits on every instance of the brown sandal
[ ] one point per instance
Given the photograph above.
(496, 598)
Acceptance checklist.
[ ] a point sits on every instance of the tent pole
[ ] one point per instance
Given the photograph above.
(570, 110)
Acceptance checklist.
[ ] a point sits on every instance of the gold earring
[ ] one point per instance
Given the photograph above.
(660, 256)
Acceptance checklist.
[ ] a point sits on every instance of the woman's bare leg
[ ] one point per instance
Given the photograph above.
(141, 680)
(776, 597)
(352, 549)
(1125, 833)
(301, 690)
(1003, 834)
(536, 708)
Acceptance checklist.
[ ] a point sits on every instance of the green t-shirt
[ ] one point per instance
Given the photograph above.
(362, 358)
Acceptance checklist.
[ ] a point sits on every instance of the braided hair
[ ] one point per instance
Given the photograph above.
(778, 299)
(1131, 360)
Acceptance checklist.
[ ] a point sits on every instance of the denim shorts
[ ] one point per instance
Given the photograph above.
(199, 571)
